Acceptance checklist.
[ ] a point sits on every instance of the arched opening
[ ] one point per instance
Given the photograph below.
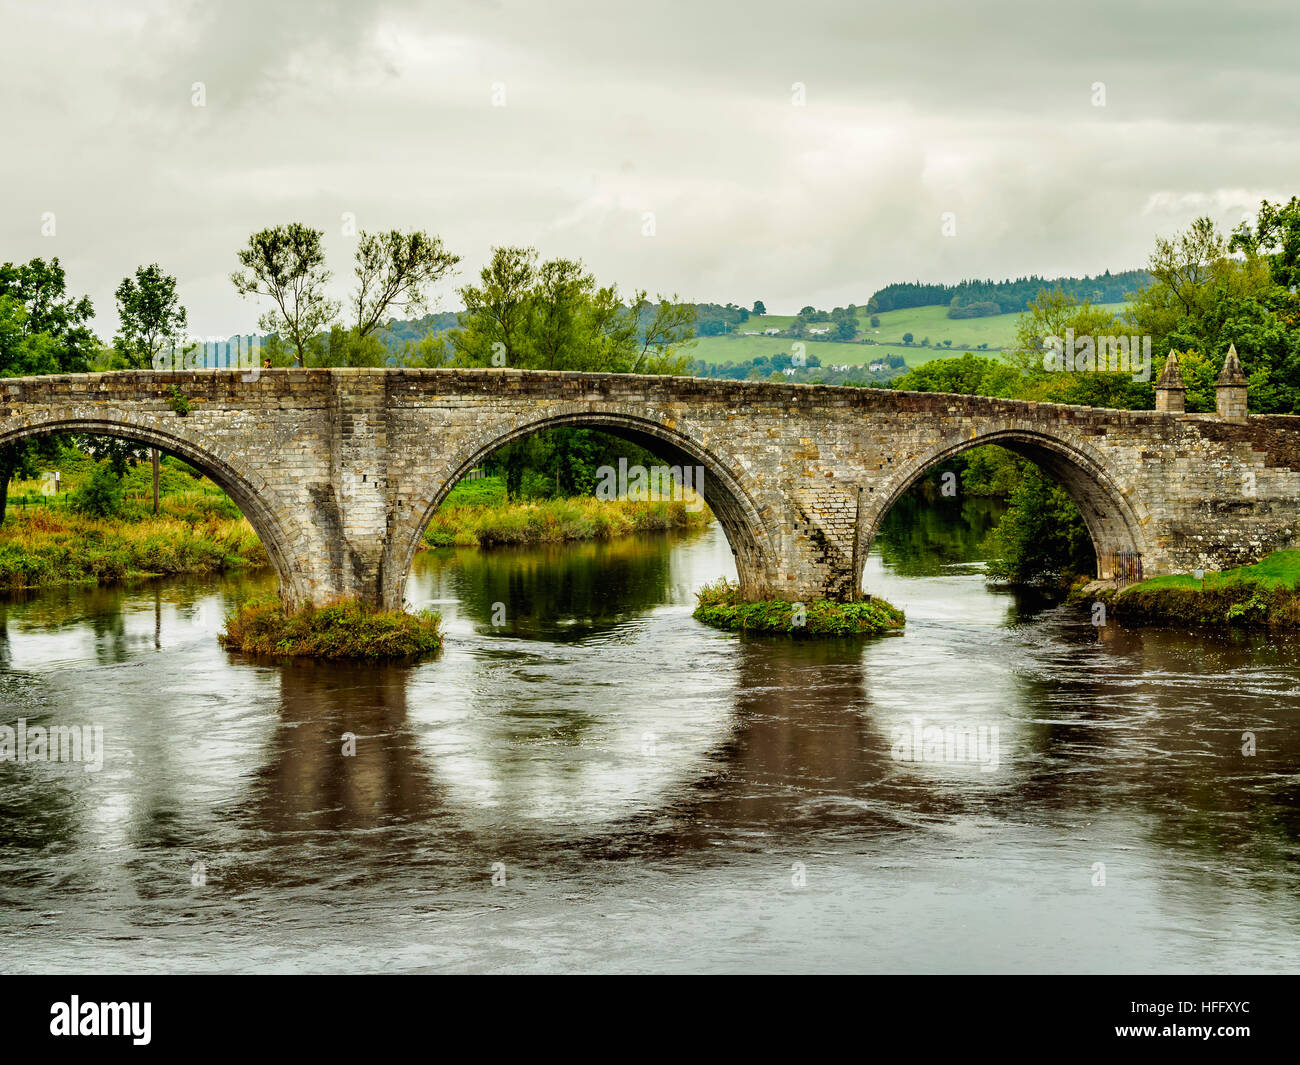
(251, 503)
(1112, 523)
(723, 489)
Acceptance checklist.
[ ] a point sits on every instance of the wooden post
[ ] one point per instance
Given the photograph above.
(153, 455)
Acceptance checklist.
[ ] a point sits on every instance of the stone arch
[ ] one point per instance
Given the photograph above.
(726, 491)
(251, 500)
(1114, 519)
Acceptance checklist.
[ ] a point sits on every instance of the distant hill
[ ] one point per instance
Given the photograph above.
(969, 315)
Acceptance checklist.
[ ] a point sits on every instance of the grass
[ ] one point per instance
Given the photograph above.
(721, 605)
(342, 630)
(1281, 569)
(198, 529)
(554, 521)
(45, 546)
(966, 334)
(1264, 595)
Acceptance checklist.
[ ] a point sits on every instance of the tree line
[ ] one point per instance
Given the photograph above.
(974, 298)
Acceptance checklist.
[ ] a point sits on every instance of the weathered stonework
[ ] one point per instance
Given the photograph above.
(1171, 392)
(339, 470)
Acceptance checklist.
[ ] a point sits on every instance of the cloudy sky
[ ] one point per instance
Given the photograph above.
(791, 152)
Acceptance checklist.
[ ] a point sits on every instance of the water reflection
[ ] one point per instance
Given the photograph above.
(562, 592)
(597, 743)
(923, 537)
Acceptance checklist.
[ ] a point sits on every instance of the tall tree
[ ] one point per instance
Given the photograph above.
(151, 315)
(152, 319)
(43, 330)
(494, 327)
(287, 263)
(395, 270)
(1275, 235)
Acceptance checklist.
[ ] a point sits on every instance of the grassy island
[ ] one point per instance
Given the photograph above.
(1263, 595)
(346, 629)
(720, 605)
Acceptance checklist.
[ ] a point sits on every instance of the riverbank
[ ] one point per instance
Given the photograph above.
(1263, 595)
(343, 630)
(43, 546)
(720, 605)
(556, 521)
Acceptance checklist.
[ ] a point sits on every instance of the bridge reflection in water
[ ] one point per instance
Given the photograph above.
(650, 786)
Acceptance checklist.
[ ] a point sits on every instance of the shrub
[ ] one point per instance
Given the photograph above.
(100, 496)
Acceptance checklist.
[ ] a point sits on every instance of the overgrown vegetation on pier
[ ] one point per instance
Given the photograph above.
(346, 629)
(720, 604)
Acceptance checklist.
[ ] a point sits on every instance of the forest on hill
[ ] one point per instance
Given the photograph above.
(973, 298)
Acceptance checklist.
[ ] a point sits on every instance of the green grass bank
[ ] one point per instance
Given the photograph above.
(1263, 595)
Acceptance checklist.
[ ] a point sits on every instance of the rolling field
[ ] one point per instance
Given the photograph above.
(966, 334)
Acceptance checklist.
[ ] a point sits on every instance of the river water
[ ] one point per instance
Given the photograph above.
(588, 779)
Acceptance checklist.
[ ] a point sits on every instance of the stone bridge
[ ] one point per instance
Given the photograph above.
(339, 470)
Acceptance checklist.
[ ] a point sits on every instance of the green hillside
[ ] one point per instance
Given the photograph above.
(966, 334)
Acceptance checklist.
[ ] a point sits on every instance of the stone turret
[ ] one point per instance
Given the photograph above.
(1230, 388)
(1171, 393)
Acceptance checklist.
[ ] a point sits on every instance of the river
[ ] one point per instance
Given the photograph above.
(588, 779)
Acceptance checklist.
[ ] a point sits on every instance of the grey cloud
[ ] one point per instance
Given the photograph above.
(613, 110)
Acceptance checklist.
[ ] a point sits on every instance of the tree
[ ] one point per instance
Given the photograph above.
(394, 270)
(1201, 299)
(907, 338)
(968, 375)
(1052, 314)
(666, 328)
(1275, 235)
(287, 263)
(759, 308)
(1042, 536)
(494, 326)
(151, 318)
(553, 316)
(344, 347)
(42, 331)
